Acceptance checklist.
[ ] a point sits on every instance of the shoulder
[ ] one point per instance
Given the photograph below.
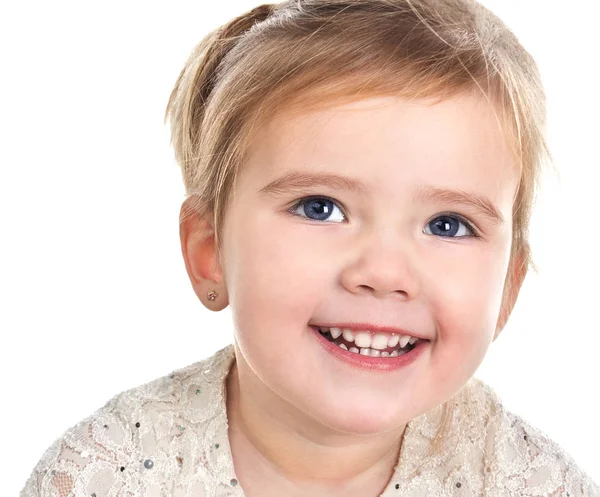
(114, 449)
(520, 458)
(100, 448)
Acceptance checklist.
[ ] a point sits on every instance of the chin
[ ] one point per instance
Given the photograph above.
(358, 419)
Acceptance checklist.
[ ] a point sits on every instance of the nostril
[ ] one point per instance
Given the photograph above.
(376, 293)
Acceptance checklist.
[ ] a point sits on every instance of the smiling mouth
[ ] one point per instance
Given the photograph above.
(346, 342)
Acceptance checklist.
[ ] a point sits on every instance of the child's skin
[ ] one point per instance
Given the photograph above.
(301, 422)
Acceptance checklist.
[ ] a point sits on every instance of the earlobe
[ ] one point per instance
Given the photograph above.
(199, 254)
(516, 273)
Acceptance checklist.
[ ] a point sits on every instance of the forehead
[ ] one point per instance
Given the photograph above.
(453, 143)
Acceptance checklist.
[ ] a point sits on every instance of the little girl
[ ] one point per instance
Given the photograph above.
(359, 178)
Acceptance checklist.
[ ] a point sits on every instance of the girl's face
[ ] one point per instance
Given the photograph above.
(423, 245)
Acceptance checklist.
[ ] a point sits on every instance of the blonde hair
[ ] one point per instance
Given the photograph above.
(304, 54)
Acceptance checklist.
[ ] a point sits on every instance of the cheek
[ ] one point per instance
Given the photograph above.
(465, 304)
(468, 295)
(272, 276)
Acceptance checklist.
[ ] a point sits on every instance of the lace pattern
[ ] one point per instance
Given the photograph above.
(169, 438)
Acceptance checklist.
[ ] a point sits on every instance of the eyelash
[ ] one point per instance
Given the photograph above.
(463, 220)
(305, 200)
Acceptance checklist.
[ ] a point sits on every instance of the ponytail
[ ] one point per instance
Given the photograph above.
(187, 102)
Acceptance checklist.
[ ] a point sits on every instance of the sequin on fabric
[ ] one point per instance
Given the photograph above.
(169, 437)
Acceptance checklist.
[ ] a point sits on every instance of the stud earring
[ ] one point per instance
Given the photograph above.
(212, 295)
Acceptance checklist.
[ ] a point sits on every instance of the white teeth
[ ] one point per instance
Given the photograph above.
(362, 339)
(380, 341)
(366, 351)
(335, 332)
(366, 340)
(393, 340)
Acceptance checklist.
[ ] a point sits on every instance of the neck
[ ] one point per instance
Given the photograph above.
(273, 442)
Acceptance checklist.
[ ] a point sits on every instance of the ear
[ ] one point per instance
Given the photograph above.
(517, 270)
(199, 253)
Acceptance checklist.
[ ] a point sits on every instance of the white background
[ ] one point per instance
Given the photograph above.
(94, 295)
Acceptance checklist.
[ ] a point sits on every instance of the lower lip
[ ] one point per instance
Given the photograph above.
(368, 362)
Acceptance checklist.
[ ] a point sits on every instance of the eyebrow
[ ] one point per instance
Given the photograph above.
(473, 200)
(299, 180)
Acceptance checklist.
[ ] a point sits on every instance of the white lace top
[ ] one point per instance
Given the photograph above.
(169, 438)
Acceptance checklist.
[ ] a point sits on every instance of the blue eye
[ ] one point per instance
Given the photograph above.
(316, 208)
(449, 226)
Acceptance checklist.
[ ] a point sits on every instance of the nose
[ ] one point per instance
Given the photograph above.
(384, 265)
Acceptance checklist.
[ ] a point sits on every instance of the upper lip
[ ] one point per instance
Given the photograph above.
(369, 327)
